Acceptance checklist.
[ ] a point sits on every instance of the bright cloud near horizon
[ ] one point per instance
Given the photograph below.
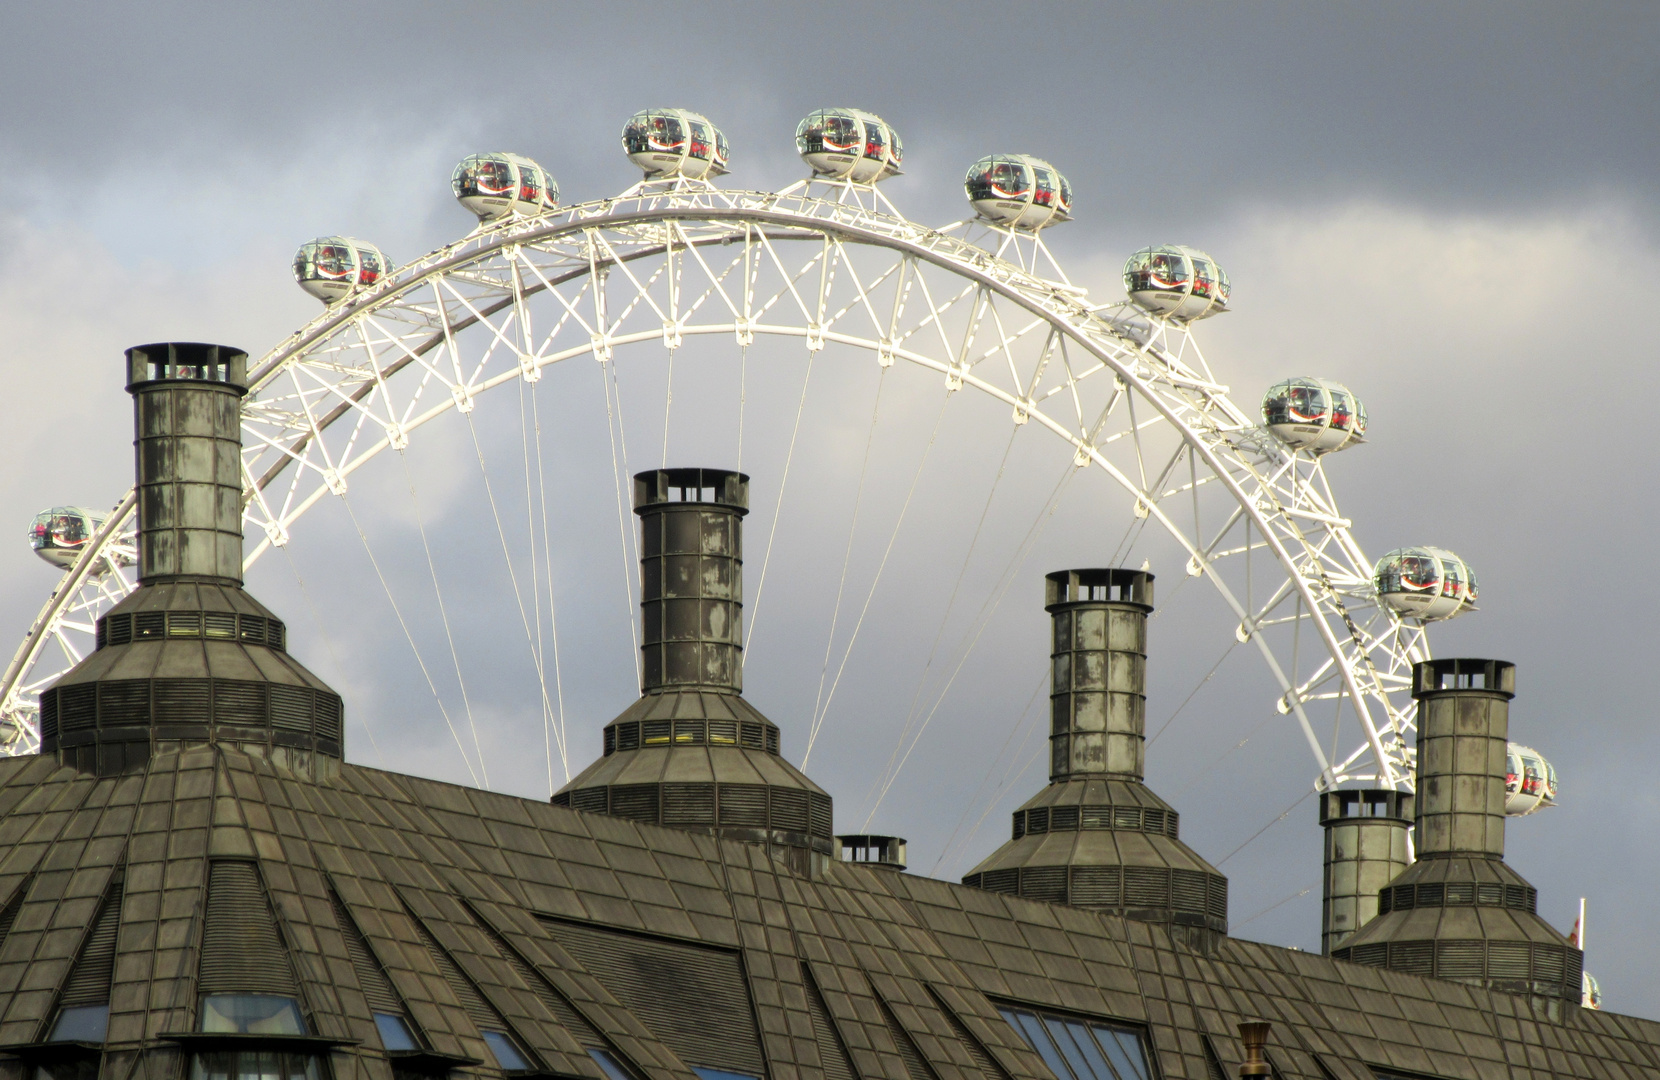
(1451, 209)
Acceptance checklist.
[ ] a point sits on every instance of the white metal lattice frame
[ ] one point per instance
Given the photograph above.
(1131, 394)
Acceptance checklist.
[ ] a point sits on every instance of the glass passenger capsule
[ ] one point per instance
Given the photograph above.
(1177, 282)
(849, 144)
(1425, 583)
(60, 534)
(1018, 191)
(1314, 414)
(1529, 781)
(674, 142)
(334, 266)
(495, 185)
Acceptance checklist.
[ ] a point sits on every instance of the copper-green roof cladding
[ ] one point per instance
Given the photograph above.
(484, 873)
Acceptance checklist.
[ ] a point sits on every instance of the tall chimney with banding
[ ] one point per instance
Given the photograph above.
(692, 753)
(1097, 836)
(187, 423)
(1460, 912)
(1366, 847)
(189, 658)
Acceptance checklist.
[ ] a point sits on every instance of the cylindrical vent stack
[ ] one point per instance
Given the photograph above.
(1460, 912)
(187, 401)
(691, 578)
(189, 658)
(1096, 836)
(1463, 729)
(1098, 699)
(1366, 847)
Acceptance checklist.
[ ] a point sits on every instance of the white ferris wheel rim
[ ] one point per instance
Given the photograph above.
(1140, 366)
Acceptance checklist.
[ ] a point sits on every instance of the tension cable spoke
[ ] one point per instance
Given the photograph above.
(783, 484)
(409, 637)
(882, 566)
(847, 559)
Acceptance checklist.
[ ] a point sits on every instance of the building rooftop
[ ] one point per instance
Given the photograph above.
(669, 950)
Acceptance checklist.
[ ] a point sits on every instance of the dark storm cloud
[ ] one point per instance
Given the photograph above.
(1448, 207)
(1174, 112)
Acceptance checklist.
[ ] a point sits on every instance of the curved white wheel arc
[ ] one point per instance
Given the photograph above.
(362, 377)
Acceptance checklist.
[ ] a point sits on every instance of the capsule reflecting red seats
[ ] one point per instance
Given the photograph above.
(1018, 191)
(1314, 414)
(60, 534)
(331, 267)
(495, 185)
(1177, 282)
(849, 144)
(1529, 781)
(1425, 583)
(669, 143)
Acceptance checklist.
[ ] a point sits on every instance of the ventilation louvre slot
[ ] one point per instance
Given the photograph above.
(789, 810)
(78, 706)
(819, 809)
(1187, 891)
(242, 950)
(688, 804)
(832, 1053)
(329, 712)
(982, 1057)
(743, 805)
(291, 708)
(182, 701)
(585, 1034)
(477, 1009)
(1460, 959)
(915, 1064)
(371, 978)
(1095, 886)
(89, 980)
(695, 998)
(637, 802)
(124, 703)
(1146, 887)
(240, 703)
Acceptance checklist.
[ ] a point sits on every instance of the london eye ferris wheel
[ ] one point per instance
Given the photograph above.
(832, 266)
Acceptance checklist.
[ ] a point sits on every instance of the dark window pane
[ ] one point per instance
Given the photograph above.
(394, 1033)
(1092, 1053)
(81, 1023)
(1132, 1056)
(1061, 1032)
(1033, 1033)
(252, 1014)
(611, 1066)
(507, 1055)
(721, 1074)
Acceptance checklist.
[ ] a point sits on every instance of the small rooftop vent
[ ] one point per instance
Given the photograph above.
(871, 850)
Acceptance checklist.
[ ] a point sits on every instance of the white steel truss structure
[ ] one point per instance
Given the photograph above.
(1124, 391)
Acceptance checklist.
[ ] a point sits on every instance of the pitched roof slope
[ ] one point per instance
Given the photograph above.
(848, 973)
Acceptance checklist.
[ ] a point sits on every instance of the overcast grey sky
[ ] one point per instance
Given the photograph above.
(1452, 208)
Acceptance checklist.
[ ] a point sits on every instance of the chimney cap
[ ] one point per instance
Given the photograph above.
(1254, 1034)
(1098, 585)
(1464, 673)
(720, 487)
(872, 850)
(187, 361)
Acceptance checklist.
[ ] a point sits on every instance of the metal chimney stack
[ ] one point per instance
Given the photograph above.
(189, 658)
(691, 578)
(187, 424)
(1366, 847)
(1097, 836)
(692, 753)
(1460, 912)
